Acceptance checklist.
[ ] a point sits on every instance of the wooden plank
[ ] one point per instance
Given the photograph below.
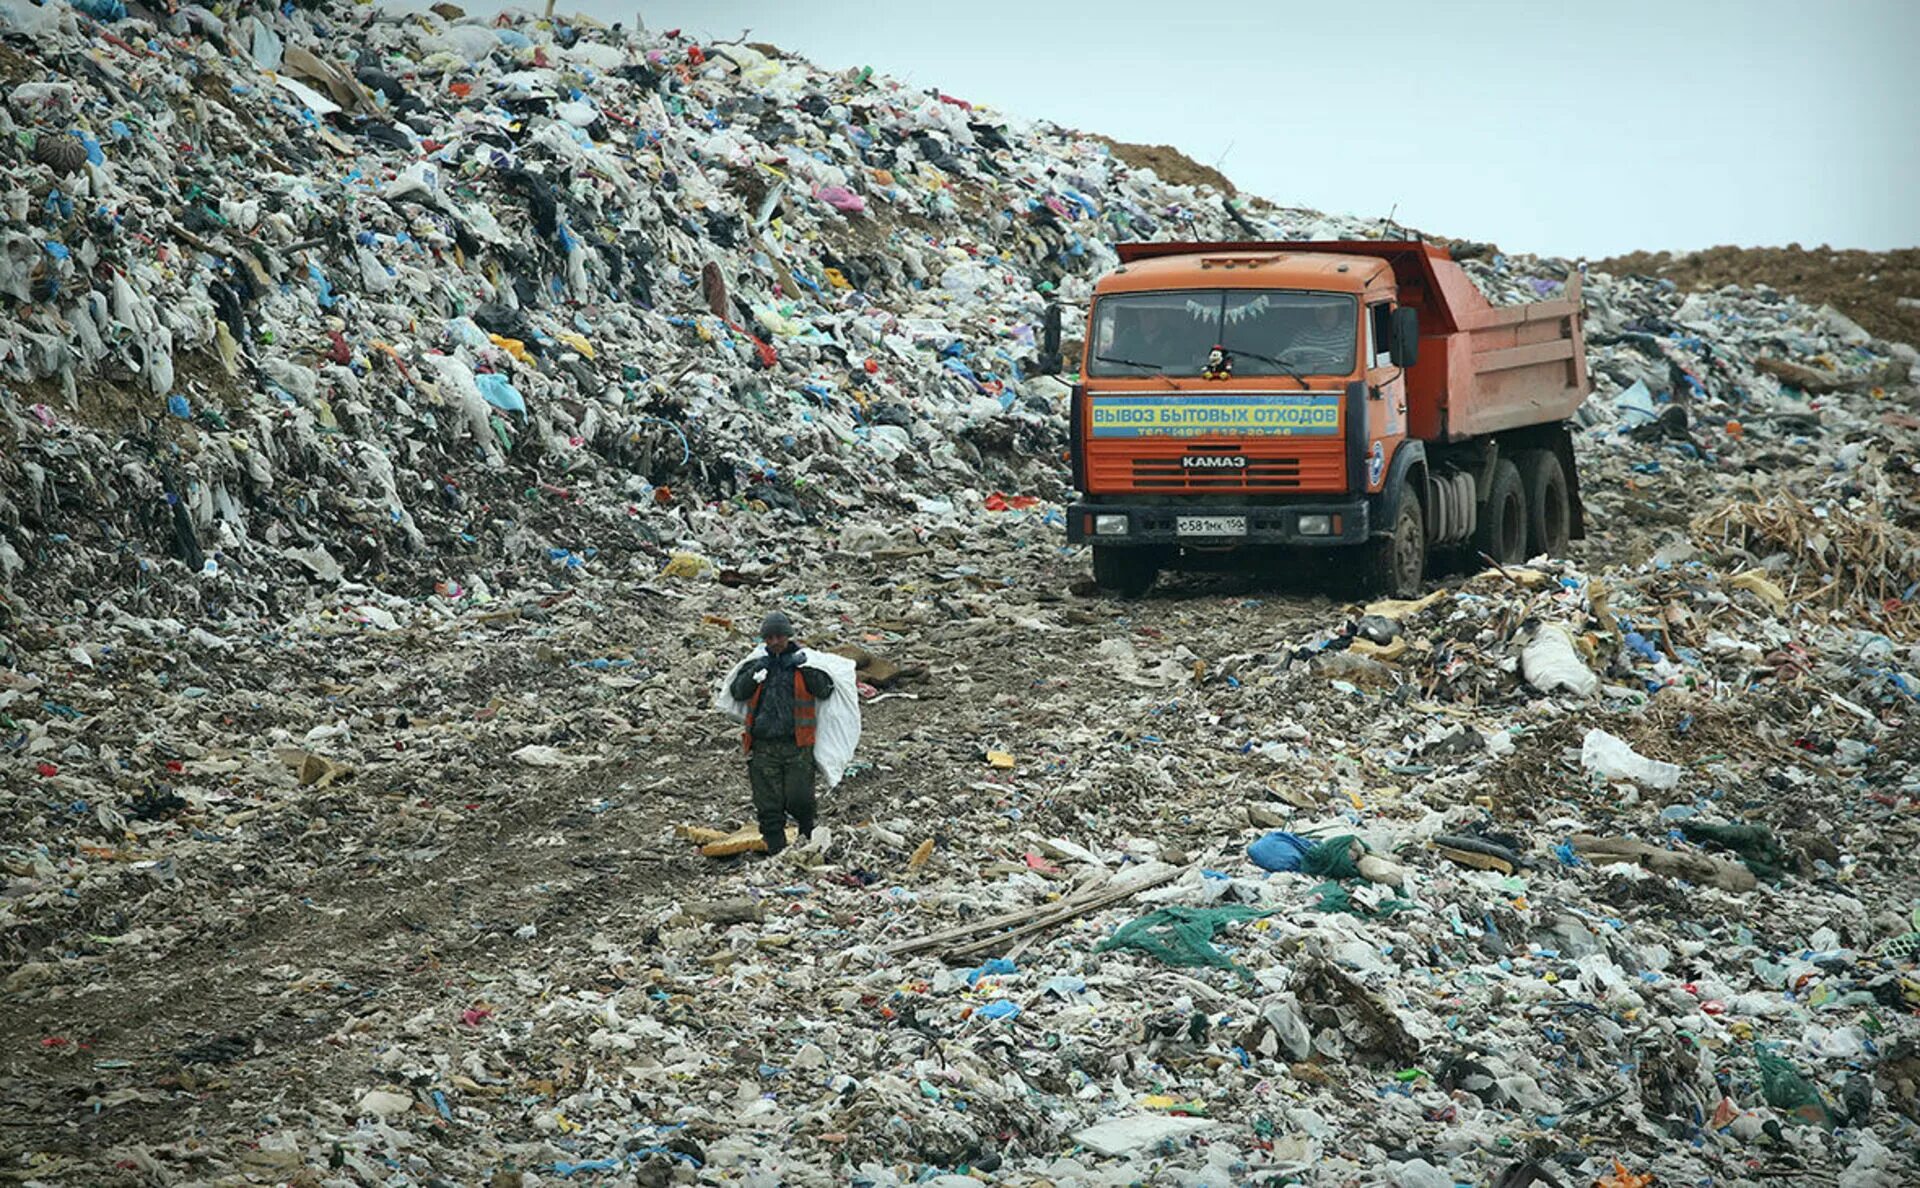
(714, 844)
(932, 940)
(987, 944)
(1475, 860)
(1098, 895)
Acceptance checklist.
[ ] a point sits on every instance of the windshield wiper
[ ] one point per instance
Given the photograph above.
(1291, 373)
(1128, 362)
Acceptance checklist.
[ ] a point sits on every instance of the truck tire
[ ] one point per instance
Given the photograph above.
(1126, 572)
(1502, 531)
(1549, 507)
(1396, 564)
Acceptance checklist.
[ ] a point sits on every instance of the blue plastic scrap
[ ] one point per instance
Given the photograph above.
(1065, 986)
(997, 966)
(1279, 851)
(321, 285)
(567, 1168)
(497, 391)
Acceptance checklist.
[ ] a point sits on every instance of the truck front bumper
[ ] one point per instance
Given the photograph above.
(1346, 522)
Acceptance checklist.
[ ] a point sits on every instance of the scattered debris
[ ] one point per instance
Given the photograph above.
(402, 413)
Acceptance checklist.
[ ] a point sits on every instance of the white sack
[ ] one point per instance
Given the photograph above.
(837, 723)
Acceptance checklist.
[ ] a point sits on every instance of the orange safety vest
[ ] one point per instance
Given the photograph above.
(805, 717)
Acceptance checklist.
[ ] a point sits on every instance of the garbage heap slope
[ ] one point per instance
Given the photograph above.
(405, 417)
(431, 297)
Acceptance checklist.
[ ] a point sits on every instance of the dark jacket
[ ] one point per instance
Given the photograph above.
(773, 718)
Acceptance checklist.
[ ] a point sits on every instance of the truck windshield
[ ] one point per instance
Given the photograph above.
(1171, 333)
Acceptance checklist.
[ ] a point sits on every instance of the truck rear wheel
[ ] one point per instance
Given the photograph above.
(1502, 531)
(1549, 510)
(1396, 564)
(1126, 572)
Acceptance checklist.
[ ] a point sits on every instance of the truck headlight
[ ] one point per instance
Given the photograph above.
(1109, 525)
(1316, 525)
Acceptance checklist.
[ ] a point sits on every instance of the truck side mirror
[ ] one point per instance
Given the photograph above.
(1049, 363)
(1403, 340)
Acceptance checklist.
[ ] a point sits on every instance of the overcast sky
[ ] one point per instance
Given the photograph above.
(1583, 128)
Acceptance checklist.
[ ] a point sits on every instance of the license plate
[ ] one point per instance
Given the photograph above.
(1210, 525)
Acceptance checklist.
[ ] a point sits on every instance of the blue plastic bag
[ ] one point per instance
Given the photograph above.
(497, 391)
(1279, 850)
(998, 965)
(102, 10)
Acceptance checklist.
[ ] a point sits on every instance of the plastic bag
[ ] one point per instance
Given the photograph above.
(1550, 662)
(1786, 1090)
(1635, 406)
(1279, 851)
(841, 199)
(837, 725)
(1613, 759)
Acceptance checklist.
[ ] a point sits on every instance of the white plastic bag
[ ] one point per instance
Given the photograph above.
(1612, 758)
(1550, 662)
(837, 724)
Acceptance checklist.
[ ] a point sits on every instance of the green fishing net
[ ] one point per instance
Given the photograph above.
(1180, 936)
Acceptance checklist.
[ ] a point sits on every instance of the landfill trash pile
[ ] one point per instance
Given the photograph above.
(408, 417)
(1880, 290)
(351, 309)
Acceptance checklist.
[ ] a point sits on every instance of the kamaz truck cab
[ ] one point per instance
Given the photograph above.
(1302, 398)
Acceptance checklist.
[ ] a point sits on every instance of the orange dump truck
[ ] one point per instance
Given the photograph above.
(1358, 406)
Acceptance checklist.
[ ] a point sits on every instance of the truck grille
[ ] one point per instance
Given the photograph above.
(1156, 468)
(1167, 474)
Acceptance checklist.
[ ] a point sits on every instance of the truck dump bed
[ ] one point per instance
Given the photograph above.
(1482, 368)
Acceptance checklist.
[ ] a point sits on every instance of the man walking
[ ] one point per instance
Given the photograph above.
(782, 693)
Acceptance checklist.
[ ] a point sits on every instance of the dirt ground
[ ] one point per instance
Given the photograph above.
(1173, 166)
(1866, 286)
(398, 892)
(411, 926)
(407, 889)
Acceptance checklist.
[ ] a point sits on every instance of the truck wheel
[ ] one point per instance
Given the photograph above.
(1549, 511)
(1502, 531)
(1126, 572)
(1396, 564)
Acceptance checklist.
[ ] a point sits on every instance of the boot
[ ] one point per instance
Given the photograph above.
(775, 839)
